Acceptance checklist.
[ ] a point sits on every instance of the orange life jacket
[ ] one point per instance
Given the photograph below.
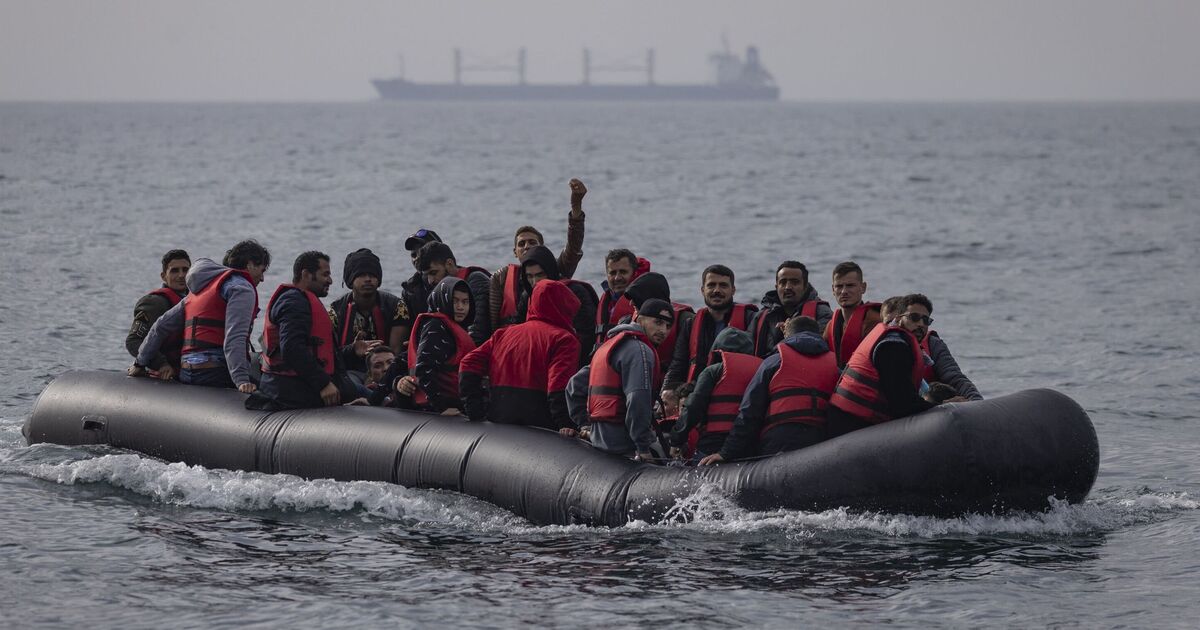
(606, 399)
(929, 374)
(447, 375)
(204, 315)
(844, 337)
(736, 371)
(173, 345)
(739, 319)
(858, 392)
(801, 388)
(320, 336)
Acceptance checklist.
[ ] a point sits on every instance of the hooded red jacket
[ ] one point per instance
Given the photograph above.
(528, 364)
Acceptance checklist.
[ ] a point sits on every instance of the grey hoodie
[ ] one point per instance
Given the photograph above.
(635, 363)
(241, 299)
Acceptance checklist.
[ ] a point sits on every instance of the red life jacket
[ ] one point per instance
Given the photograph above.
(739, 319)
(606, 399)
(929, 374)
(320, 336)
(204, 315)
(512, 290)
(800, 390)
(807, 309)
(344, 336)
(666, 349)
(736, 371)
(463, 272)
(858, 391)
(447, 373)
(843, 337)
(605, 319)
(173, 345)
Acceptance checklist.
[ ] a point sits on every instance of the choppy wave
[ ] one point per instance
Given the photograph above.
(707, 510)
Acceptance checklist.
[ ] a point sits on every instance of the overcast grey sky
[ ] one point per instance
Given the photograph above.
(284, 50)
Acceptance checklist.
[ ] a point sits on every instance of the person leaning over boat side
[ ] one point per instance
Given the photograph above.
(539, 265)
(527, 364)
(792, 296)
(165, 364)
(714, 402)
(613, 395)
(786, 403)
(414, 293)
(438, 344)
(882, 380)
(942, 367)
(503, 301)
(365, 317)
(437, 261)
(301, 365)
(854, 318)
(215, 320)
(621, 267)
(695, 336)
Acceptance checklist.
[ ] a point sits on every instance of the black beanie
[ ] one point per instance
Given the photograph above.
(658, 309)
(360, 263)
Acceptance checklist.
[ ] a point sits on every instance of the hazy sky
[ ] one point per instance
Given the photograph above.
(836, 50)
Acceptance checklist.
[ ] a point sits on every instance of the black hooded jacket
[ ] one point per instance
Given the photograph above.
(775, 313)
(436, 344)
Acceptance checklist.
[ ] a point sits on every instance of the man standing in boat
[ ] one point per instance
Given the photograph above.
(854, 317)
(301, 365)
(215, 320)
(613, 396)
(793, 295)
(165, 364)
(505, 291)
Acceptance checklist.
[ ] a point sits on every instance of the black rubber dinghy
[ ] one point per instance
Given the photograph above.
(1014, 452)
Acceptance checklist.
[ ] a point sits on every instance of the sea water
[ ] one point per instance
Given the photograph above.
(1057, 242)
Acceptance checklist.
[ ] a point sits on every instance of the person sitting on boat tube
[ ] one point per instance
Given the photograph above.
(438, 343)
(301, 364)
(882, 380)
(713, 403)
(505, 294)
(436, 260)
(787, 400)
(165, 365)
(614, 394)
(854, 318)
(527, 365)
(215, 320)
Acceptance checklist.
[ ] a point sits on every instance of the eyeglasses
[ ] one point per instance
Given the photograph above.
(917, 318)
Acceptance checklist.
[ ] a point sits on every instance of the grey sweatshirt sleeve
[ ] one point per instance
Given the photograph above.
(635, 362)
(240, 299)
(577, 396)
(169, 324)
(947, 371)
(824, 314)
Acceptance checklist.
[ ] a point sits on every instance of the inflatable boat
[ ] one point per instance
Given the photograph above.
(1014, 452)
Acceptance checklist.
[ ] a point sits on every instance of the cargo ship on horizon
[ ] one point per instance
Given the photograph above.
(734, 79)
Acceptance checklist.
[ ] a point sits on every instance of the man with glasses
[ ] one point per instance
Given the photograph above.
(882, 379)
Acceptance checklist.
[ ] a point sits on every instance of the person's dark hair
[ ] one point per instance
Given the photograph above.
(528, 228)
(799, 324)
(380, 349)
(915, 298)
(844, 268)
(684, 390)
(720, 270)
(174, 254)
(892, 305)
(940, 392)
(793, 264)
(431, 253)
(308, 261)
(614, 255)
(246, 252)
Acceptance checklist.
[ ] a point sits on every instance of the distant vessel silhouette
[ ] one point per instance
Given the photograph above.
(735, 79)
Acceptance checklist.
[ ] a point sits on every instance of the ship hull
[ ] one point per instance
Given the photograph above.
(401, 90)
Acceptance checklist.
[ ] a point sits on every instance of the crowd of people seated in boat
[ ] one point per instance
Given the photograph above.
(627, 368)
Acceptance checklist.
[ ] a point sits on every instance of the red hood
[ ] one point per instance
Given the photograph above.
(552, 302)
(642, 267)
